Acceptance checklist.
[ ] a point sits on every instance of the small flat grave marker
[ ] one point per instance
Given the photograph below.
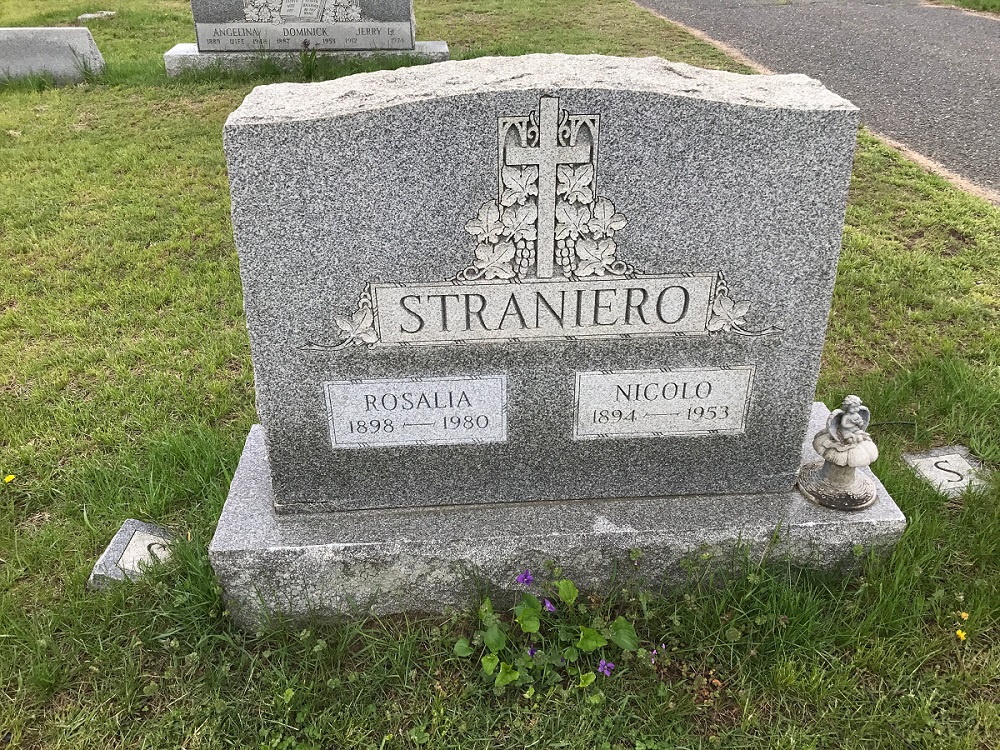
(101, 15)
(135, 546)
(951, 470)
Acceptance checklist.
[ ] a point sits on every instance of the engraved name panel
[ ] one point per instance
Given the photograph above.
(656, 403)
(293, 36)
(417, 411)
(609, 308)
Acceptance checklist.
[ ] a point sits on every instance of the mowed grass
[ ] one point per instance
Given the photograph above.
(126, 391)
(990, 6)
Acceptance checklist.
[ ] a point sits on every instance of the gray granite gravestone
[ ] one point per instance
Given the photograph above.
(235, 33)
(496, 307)
(68, 55)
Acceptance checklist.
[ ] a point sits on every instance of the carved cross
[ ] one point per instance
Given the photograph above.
(547, 156)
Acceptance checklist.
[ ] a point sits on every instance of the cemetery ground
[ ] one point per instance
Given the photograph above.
(126, 391)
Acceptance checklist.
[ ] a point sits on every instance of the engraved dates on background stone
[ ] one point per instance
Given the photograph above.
(293, 37)
(417, 411)
(656, 403)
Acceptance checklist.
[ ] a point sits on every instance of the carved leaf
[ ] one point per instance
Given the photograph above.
(595, 256)
(574, 183)
(726, 313)
(358, 327)
(571, 220)
(368, 335)
(519, 222)
(344, 323)
(487, 226)
(495, 260)
(519, 183)
(605, 221)
(363, 319)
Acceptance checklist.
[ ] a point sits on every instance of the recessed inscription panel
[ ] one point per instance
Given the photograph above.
(295, 37)
(417, 411)
(656, 403)
(297, 25)
(445, 313)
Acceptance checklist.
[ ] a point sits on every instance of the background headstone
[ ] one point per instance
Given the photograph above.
(136, 545)
(234, 34)
(293, 25)
(66, 54)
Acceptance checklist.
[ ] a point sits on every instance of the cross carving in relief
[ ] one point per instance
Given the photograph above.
(548, 155)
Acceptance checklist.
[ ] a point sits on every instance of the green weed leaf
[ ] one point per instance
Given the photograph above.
(462, 647)
(419, 736)
(530, 602)
(494, 638)
(490, 662)
(486, 610)
(507, 675)
(526, 613)
(587, 679)
(567, 591)
(590, 640)
(623, 634)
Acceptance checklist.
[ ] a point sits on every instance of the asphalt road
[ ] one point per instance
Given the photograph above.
(926, 76)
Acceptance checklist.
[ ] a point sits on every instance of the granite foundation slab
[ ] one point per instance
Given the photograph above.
(184, 57)
(68, 55)
(379, 562)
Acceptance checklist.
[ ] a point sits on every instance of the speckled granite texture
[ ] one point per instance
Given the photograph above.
(375, 176)
(424, 560)
(63, 53)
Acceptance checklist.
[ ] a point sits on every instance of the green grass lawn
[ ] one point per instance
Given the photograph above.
(126, 391)
(990, 6)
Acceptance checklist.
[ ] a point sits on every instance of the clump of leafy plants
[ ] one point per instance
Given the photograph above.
(552, 636)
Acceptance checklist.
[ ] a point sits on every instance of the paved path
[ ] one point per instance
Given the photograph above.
(926, 76)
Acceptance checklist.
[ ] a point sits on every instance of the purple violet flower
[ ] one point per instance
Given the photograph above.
(605, 667)
(525, 578)
(549, 606)
(532, 650)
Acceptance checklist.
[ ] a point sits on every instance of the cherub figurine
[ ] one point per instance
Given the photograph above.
(845, 447)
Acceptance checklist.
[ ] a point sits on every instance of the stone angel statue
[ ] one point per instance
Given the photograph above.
(845, 446)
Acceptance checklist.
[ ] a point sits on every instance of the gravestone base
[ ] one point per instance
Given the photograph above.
(380, 562)
(184, 57)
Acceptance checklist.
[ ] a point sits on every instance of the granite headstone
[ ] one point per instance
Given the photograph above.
(233, 33)
(68, 55)
(527, 285)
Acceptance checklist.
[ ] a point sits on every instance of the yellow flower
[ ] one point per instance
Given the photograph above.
(960, 634)
(964, 615)
(9, 478)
